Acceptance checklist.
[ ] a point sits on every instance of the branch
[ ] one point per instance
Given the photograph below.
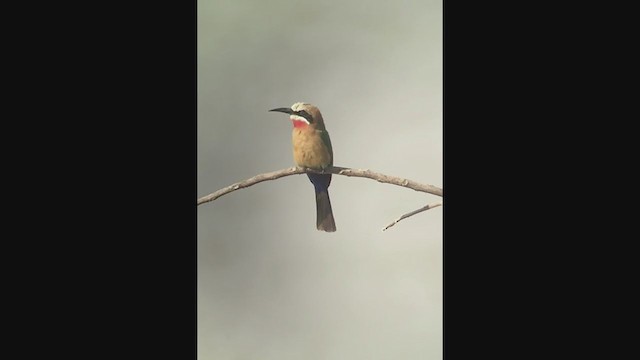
(425, 208)
(333, 170)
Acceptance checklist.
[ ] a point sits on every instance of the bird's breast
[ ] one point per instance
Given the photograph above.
(309, 150)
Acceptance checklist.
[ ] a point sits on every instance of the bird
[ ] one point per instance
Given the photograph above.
(312, 149)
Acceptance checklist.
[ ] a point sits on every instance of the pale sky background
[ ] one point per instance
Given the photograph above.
(270, 286)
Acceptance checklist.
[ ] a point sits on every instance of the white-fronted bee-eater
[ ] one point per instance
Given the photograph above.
(312, 149)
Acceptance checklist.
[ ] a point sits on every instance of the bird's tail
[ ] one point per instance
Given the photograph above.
(324, 213)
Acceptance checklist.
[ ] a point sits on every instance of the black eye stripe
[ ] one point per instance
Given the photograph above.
(305, 115)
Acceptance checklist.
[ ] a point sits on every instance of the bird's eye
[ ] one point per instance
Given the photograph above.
(305, 115)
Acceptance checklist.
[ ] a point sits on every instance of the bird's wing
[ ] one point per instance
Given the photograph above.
(324, 135)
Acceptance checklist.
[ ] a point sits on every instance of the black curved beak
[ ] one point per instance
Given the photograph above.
(283, 110)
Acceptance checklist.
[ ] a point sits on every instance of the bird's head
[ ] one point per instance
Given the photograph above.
(303, 115)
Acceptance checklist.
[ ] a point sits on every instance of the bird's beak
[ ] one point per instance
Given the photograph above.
(283, 110)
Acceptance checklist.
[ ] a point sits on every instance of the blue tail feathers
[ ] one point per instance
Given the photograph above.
(324, 213)
(320, 181)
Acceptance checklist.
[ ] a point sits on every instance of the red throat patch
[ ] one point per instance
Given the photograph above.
(299, 124)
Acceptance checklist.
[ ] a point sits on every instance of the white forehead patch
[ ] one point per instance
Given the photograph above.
(298, 118)
(298, 106)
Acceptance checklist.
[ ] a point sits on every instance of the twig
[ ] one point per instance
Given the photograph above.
(248, 182)
(333, 170)
(425, 208)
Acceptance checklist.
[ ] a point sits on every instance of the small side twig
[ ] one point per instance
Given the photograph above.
(424, 208)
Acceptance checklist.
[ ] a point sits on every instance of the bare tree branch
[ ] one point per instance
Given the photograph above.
(248, 182)
(333, 170)
(424, 208)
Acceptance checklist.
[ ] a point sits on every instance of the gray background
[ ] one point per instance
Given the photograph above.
(270, 286)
